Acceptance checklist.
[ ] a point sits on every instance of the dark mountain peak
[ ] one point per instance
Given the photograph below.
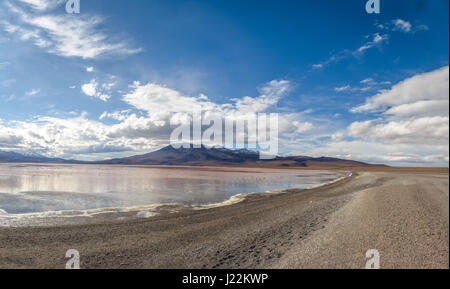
(246, 152)
(189, 155)
(182, 148)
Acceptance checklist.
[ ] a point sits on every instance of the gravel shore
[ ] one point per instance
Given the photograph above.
(403, 215)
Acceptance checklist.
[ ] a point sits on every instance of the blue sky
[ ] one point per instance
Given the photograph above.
(99, 84)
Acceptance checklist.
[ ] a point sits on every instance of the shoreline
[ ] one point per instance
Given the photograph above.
(399, 213)
(115, 214)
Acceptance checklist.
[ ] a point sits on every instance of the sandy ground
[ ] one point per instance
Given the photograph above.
(403, 215)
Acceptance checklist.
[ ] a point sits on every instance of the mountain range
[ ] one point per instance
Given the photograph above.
(201, 156)
(14, 157)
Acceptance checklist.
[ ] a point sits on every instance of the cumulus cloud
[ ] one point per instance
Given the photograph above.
(65, 137)
(423, 130)
(163, 104)
(160, 100)
(413, 113)
(427, 86)
(420, 108)
(91, 89)
(8, 138)
(406, 125)
(157, 99)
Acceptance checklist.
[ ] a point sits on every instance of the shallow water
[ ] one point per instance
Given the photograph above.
(26, 188)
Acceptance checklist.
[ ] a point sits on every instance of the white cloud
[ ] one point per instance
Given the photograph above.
(104, 97)
(90, 69)
(159, 100)
(109, 86)
(302, 127)
(64, 35)
(376, 152)
(377, 41)
(367, 81)
(333, 59)
(32, 92)
(378, 38)
(8, 140)
(342, 88)
(402, 25)
(91, 89)
(78, 37)
(367, 88)
(23, 33)
(427, 86)
(117, 115)
(42, 4)
(372, 84)
(420, 108)
(317, 66)
(424, 130)
(55, 136)
(408, 125)
(414, 123)
(371, 81)
(270, 94)
(337, 137)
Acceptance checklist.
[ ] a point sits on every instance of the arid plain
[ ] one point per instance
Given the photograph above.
(402, 213)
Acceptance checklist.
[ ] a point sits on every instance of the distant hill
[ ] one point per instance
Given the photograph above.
(225, 157)
(13, 157)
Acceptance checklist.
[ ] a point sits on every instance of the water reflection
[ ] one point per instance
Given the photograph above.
(40, 188)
